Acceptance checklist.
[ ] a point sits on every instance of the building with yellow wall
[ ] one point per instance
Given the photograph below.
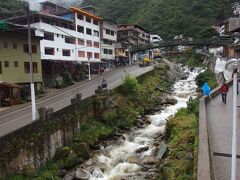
(14, 59)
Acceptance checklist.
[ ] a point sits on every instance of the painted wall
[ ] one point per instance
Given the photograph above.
(14, 74)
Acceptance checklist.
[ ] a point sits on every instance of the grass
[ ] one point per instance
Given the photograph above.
(182, 142)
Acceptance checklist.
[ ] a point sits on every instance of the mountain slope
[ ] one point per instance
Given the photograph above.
(165, 17)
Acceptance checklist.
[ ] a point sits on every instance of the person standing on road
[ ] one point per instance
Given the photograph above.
(224, 91)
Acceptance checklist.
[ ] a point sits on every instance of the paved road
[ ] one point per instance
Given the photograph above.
(220, 128)
(21, 117)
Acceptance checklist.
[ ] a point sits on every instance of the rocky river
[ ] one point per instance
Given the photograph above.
(134, 155)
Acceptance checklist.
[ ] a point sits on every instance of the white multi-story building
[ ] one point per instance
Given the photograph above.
(154, 39)
(108, 40)
(68, 39)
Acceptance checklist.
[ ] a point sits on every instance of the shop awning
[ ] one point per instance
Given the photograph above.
(11, 85)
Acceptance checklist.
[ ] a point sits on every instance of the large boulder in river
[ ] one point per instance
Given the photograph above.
(149, 160)
(134, 160)
(82, 174)
(142, 149)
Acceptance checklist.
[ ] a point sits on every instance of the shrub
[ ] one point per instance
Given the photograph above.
(126, 117)
(131, 85)
(206, 76)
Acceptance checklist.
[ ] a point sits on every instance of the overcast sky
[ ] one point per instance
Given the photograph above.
(34, 4)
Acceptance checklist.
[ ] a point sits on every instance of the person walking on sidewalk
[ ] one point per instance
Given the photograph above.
(224, 91)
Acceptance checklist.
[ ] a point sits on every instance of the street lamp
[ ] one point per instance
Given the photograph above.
(232, 65)
(89, 69)
(34, 111)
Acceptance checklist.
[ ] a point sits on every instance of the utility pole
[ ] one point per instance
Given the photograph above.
(34, 112)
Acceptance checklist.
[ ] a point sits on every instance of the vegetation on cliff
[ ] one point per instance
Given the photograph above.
(164, 17)
(182, 141)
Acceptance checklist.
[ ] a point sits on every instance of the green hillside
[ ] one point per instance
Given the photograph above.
(165, 17)
(10, 8)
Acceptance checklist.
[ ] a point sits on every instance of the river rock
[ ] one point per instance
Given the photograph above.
(97, 173)
(152, 175)
(70, 175)
(62, 173)
(162, 151)
(158, 108)
(153, 170)
(133, 160)
(82, 174)
(141, 121)
(149, 160)
(142, 149)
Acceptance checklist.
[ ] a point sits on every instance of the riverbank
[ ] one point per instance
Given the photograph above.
(182, 142)
(122, 115)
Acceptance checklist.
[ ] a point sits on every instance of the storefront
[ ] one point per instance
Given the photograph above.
(9, 94)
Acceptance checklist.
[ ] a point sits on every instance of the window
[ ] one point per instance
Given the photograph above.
(108, 31)
(26, 67)
(15, 64)
(69, 40)
(96, 55)
(49, 51)
(5, 44)
(96, 44)
(105, 51)
(106, 41)
(80, 16)
(34, 49)
(96, 33)
(80, 29)
(0, 67)
(49, 36)
(88, 19)
(81, 42)
(89, 31)
(89, 54)
(81, 54)
(6, 64)
(14, 45)
(95, 22)
(89, 43)
(66, 52)
(35, 68)
(25, 48)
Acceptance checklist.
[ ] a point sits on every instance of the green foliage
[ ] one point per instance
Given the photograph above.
(181, 135)
(207, 33)
(126, 117)
(10, 8)
(206, 76)
(130, 85)
(193, 106)
(29, 171)
(164, 17)
(191, 58)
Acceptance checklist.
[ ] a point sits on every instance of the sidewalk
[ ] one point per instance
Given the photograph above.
(52, 92)
(220, 129)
